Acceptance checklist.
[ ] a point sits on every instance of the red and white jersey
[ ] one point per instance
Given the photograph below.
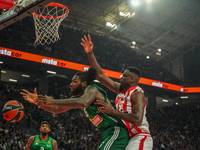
(123, 103)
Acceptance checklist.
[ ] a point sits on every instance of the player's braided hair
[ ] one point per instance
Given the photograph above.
(88, 75)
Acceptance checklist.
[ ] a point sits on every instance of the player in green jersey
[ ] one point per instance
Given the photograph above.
(42, 141)
(114, 135)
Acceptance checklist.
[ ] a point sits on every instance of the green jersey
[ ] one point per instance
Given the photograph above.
(39, 144)
(101, 120)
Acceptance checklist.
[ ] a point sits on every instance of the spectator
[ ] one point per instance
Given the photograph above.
(27, 134)
(28, 119)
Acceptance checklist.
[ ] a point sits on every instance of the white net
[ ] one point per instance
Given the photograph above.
(47, 21)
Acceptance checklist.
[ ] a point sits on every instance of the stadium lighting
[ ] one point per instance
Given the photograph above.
(133, 14)
(2, 71)
(159, 50)
(184, 97)
(134, 43)
(12, 80)
(24, 75)
(158, 53)
(148, 1)
(176, 103)
(1, 62)
(128, 14)
(52, 72)
(135, 2)
(164, 100)
(121, 13)
(147, 57)
(111, 25)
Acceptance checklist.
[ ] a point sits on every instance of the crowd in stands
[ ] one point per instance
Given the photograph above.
(111, 54)
(12, 137)
(175, 127)
(172, 127)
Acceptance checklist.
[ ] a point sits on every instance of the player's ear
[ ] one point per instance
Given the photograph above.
(84, 84)
(132, 79)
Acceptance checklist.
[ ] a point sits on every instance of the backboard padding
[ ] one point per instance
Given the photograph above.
(15, 14)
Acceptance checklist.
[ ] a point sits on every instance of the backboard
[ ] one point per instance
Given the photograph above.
(17, 13)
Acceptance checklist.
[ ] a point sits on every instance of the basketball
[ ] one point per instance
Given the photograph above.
(13, 111)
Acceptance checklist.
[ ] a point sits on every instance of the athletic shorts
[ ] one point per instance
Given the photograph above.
(114, 138)
(140, 142)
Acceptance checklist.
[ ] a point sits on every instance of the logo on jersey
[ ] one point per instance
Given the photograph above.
(37, 140)
(96, 120)
(48, 142)
(119, 98)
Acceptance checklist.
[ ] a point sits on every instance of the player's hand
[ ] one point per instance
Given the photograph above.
(16, 5)
(44, 100)
(87, 44)
(105, 107)
(30, 97)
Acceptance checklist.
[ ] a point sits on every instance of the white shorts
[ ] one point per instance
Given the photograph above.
(140, 142)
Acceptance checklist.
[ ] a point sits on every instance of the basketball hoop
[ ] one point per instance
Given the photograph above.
(47, 21)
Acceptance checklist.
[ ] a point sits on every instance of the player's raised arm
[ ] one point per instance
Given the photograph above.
(104, 79)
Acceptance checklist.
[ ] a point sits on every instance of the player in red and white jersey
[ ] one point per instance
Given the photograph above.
(138, 134)
(130, 102)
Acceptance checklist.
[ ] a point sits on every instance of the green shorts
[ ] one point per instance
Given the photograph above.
(114, 138)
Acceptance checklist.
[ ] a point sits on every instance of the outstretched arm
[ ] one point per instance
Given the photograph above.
(31, 97)
(55, 109)
(82, 102)
(104, 79)
(138, 103)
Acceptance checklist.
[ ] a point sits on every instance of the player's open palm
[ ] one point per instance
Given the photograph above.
(30, 97)
(87, 44)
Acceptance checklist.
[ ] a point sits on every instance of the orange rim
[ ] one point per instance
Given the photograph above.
(52, 4)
